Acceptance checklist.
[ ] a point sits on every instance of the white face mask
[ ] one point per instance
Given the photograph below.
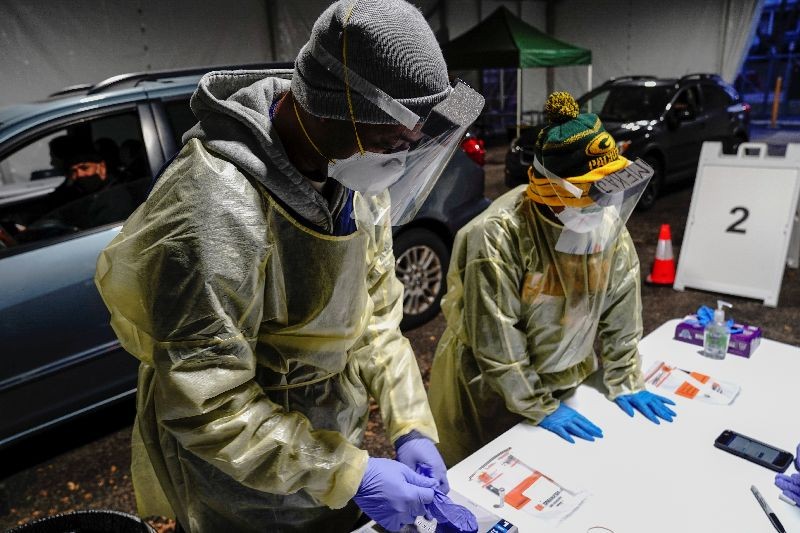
(580, 221)
(369, 174)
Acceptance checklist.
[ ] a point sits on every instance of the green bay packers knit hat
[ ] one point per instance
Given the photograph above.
(573, 144)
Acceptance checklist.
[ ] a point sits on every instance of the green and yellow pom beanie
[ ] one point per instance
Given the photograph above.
(572, 146)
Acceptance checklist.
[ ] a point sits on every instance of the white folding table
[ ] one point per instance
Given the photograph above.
(668, 477)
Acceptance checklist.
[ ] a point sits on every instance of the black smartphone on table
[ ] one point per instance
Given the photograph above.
(753, 450)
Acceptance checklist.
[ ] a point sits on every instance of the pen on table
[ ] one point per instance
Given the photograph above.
(770, 514)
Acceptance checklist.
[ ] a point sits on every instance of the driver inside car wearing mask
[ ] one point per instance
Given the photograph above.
(533, 281)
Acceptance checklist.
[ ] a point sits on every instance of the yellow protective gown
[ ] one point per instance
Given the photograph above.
(521, 323)
(260, 341)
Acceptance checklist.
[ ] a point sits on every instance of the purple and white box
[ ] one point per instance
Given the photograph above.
(744, 343)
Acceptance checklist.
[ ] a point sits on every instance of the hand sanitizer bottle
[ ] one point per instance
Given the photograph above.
(716, 335)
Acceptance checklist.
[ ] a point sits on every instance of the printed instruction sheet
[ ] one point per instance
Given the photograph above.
(690, 385)
(522, 487)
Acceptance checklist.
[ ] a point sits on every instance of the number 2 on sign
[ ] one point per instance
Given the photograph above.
(743, 214)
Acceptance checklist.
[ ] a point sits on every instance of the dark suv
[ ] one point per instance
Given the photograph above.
(59, 356)
(663, 121)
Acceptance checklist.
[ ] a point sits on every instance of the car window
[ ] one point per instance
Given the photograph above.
(714, 97)
(180, 118)
(594, 103)
(687, 100)
(73, 178)
(32, 162)
(628, 103)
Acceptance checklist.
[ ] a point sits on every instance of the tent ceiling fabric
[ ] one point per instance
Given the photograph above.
(504, 41)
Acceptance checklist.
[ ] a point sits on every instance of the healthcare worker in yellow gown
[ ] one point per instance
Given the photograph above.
(533, 281)
(256, 285)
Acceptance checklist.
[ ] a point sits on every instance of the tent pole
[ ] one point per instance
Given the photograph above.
(519, 98)
(590, 77)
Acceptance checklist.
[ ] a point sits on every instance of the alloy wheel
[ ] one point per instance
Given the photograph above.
(420, 270)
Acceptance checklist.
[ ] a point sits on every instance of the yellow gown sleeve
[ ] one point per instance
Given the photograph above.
(620, 326)
(385, 357)
(491, 313)
(184, 282)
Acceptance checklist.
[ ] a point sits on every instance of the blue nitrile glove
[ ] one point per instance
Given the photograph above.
(415, 449)
(447, 513)
(790, 485)
(705, 315)
(566, 421)
(650, 405)
(392, 494)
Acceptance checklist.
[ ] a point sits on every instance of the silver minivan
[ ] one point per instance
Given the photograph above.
(59, 357)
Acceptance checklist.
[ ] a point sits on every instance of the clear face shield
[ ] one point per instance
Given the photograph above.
(593, 215)
(409, 174)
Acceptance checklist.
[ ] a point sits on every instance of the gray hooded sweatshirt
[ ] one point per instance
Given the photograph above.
(233, 112)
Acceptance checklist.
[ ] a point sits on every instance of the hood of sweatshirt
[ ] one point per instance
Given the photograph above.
(232, 108)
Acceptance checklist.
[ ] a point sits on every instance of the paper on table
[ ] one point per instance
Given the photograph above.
(690, 385)
(526, 489)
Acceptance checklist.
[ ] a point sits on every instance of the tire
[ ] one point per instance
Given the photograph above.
(421, 259)
(650, 194)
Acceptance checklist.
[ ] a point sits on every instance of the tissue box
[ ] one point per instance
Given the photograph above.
(744, 343)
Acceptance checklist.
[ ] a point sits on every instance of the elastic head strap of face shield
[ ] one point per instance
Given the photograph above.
(383, 101)
(459, 107)
(302, 127)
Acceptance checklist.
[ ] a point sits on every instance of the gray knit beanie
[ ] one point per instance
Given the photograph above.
(389, 43)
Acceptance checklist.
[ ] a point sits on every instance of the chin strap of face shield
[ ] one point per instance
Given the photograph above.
(347, 77)
(302, 127)
(345, 74)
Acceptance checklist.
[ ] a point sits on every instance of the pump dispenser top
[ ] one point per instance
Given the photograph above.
(719, 313)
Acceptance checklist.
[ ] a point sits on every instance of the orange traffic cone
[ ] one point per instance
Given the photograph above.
(663, 272)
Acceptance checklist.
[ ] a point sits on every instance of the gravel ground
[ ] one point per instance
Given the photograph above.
(87, 465)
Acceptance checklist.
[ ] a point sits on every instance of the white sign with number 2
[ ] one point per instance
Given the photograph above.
(740, 221)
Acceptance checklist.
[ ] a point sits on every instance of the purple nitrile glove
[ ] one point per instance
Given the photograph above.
(650, 405)
(414, 450)
(447, 513)
(566, 421)
(392, 494)
(790, 485)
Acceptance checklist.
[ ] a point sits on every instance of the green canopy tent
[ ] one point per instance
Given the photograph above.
(503, 40)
